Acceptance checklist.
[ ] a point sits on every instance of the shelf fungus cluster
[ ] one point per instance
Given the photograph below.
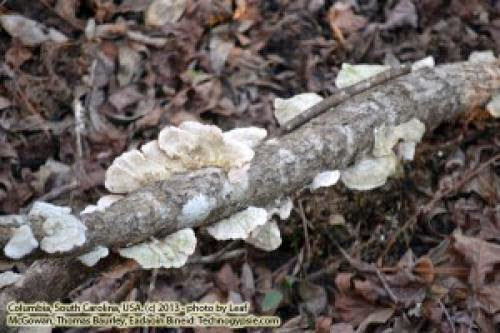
(372, 171)
(254, 225)
(62, 231)
(189, 147)
(392, 143)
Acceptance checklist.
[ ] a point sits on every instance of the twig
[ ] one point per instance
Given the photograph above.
(344, 94)
(447, 315)
(306, 235)
(221, 255)
(382, 279)
(56, 192)
(330, 268)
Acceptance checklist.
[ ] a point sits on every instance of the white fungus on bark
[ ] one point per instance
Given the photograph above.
(325, 179)
(238, 225)
(427, 62)
(352, 74)
(369, 173)
(63, 231)
(266, 237)
(8, 278)
(285, 109)
(284, 209)
(21, 243)
(372, 172)
(103, 203)
(191, 146)
(171, 252)
(250, 136)
(387, 137)
(482, 56)
(493, 107)
(91, 258)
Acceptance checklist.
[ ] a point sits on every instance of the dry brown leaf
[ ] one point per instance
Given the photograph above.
(314, 297)
(489, 297)
(425, 269)
(341, 16)
(342, 328)
(67, 9)
(403, 14)
(353, 309)
(380, 316)
(226, 279)
(480, 254)
(323, 325)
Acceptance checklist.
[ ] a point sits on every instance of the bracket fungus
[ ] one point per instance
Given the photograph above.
(8, 278)
(372, 172)
(191, 146)
(427, 62)
(63, 231)
(493, 107)
(325, 179)
(482, 56)
(21, 243)
(285, 109)
(266, 237)
(239, 225)
(103, 203)
(172, 251)
(387, 137)
(254, 225)
(352, 74)
(91, 258)
(369, 173)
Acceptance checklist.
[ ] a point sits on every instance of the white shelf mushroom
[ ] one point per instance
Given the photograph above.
(171, 252)
(191, 146)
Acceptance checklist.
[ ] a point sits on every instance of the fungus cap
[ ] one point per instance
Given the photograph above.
(91, 258)
(352, 74)
(172, 251)
(238, 225)
(266, 237)
(285, 109)
(21, 243)
(369, 173)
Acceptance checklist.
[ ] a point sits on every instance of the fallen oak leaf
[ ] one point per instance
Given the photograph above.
(480, 254)
(378, 317)
(341, 17)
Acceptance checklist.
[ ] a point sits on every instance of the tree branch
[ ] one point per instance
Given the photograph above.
(333, 140)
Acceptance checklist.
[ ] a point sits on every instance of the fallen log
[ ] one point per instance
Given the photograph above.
(281, 166)
(288, 163)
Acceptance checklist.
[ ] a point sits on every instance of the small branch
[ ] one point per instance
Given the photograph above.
(344, 94)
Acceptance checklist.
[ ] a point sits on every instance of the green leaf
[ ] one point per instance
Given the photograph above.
(272, 300)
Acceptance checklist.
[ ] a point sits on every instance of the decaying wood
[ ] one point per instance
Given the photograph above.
(344, 94)
(333, 140)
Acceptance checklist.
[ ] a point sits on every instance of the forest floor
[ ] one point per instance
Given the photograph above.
(420, 254)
